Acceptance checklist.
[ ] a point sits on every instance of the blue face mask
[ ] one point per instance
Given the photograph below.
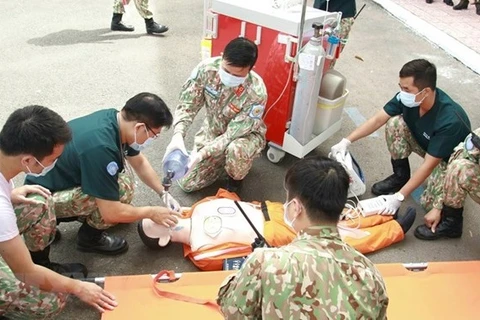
(408, 99)
(229, 80)
(139, 147)
(44, 171)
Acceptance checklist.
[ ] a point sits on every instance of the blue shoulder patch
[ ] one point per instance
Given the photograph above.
(257, 111)
(112, 168)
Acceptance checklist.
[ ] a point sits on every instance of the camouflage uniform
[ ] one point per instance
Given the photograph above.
(233, 132)
(348, 10)
(401, 144)
(17, 299)
(40, 232)
(22, 301)
(317, 276)
(142, 7)
(463, 175)
(345, 27)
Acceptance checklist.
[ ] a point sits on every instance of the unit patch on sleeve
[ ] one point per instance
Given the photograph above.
(257, 111)
(112, 168)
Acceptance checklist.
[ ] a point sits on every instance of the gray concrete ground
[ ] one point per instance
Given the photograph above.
(61, 54)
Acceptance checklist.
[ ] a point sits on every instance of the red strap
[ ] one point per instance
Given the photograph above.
(177, 296)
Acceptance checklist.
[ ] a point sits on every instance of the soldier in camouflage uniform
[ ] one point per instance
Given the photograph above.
(142, 8)
(93, 178)
(460, 179)
(348, 9)
(233, 132)
(30, 141)
(423, 119)
(317, 276)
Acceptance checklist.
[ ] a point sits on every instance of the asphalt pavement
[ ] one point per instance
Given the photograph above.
(62, 54)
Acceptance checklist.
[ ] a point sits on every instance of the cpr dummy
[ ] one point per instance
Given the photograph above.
(214, 230)
(211, 225)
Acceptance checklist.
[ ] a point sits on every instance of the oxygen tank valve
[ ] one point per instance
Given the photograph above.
(317, 29)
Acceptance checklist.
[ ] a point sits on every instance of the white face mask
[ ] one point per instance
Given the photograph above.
(229, 80)
(139, 147)
(44, 171)
(285, 215)
(408, 99)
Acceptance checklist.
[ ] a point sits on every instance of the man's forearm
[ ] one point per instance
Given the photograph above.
(181, 127)
(184, 116)
(365, 129)
(148, 176)
(127, 213)
(48, 280)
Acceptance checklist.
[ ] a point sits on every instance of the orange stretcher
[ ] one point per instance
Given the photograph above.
(444, 290)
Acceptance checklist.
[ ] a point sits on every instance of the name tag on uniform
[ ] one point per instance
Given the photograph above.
(211, 92)
(426, 136)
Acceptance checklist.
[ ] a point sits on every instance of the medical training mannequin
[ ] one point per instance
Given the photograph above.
(221, 221)
(216, 223)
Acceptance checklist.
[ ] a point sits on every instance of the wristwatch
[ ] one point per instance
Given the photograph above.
(400, 197)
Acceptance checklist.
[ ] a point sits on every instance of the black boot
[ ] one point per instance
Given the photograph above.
(448, 2)
(71, 270)
(450, 226)
(395, 182)
(463, 4)
(406, 221)
(154, 28)
(118, 25)
(234, 185)
(477, 6)
(428, 1)
(90, 239)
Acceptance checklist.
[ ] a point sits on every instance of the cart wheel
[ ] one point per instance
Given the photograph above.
(275, 155)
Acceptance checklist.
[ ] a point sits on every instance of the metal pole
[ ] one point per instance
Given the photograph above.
(354, 18)
(101, 280)
(300, 35)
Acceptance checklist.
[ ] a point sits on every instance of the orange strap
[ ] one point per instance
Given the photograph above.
(177, 296)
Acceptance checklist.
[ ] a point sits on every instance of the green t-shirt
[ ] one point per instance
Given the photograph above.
(92, 160)
(346, 7)
(439, 130)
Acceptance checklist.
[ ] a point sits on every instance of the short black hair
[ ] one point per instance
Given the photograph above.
(241, 52)
(33, 130)
(424, 73)
(321, 184)
(148, 108)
